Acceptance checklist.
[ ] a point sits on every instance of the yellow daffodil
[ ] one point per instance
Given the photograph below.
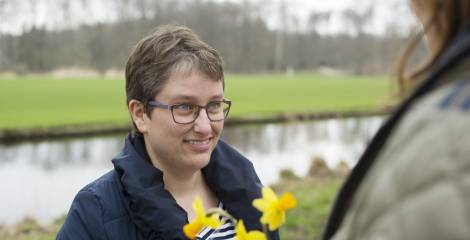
(251, 235)
(274, 208)
(193, 228)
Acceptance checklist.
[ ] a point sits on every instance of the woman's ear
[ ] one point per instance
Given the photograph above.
(139, 117)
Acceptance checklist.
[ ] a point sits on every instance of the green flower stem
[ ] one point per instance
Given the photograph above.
(265, 230)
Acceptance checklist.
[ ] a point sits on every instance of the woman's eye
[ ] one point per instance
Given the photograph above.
(213, 105)
(184, 107)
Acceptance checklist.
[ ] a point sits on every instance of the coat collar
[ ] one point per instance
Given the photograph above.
(153, 209)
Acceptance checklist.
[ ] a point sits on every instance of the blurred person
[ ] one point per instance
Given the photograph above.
(175, 96)
(413, 180)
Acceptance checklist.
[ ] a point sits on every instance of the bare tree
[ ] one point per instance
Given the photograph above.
(358, 20)
(2, 5)
(64, 6)
(316, 19)
(239, 30)
(143, 7)
(34, 11)
(280, 36)
(123, 8)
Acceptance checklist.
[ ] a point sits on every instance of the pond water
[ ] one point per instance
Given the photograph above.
(40, 179)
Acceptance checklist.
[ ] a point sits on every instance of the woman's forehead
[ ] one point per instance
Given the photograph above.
(193, 85)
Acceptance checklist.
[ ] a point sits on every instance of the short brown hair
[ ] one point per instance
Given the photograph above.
(169, 49)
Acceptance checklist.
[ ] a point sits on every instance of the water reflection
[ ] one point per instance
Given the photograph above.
(273, 147)
(52, 155)
(39, 179)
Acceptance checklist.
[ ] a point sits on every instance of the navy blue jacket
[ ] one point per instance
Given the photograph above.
(130, 202)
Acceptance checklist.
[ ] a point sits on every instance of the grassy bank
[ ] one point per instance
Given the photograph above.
(306, 221)
(29, 229)
(33, 101)
(315, 197)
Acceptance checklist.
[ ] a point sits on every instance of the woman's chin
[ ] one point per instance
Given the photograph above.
(199, 161)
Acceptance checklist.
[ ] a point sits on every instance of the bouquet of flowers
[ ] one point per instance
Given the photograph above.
(273, 211)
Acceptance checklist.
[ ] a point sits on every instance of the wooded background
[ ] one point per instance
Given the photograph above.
(238, 30)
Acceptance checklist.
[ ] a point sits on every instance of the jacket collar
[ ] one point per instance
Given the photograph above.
(153, 209)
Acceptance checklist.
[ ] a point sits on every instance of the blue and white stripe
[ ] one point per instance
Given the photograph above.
(223, 232)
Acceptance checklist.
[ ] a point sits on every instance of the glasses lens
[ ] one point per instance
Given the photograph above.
(217, 111)
(187, 113)
(184, 113)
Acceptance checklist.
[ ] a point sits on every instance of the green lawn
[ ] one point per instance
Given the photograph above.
(34, 101)
(265, 94)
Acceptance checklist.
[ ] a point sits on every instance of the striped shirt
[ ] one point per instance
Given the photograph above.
(225, 231)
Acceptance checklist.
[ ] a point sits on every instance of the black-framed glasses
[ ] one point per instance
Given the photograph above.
(187, 113)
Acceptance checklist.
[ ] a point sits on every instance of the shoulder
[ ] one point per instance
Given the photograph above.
(92, 208)
(106, 192)
(103, 185)
(423, 165)
(455, 96)
(432, 136)
(440, 115)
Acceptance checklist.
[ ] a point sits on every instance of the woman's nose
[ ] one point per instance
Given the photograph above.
(202, 123)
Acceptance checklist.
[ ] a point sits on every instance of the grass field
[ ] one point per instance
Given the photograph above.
(37, 101)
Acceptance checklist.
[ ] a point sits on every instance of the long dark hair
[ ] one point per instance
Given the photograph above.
(447, 19)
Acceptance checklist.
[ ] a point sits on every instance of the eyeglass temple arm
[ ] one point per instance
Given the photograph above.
(157, 104)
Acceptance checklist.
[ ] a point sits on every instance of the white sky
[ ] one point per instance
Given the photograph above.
(395, 11)
(298, 11)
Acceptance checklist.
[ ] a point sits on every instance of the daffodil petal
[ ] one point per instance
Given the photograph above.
(287, 201)
(240, 231)
(277, 220)
(267, 216)
(192, 229)
(261, 204)
(268, 194)
(256, 235)
(272, 208)
(198, 208)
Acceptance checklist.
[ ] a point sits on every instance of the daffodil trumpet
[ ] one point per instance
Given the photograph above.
(274, 208)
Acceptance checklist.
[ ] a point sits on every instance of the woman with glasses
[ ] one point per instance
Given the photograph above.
(413, 181)
(175, 97)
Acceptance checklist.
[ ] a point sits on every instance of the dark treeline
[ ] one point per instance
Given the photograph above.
(236, 30)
